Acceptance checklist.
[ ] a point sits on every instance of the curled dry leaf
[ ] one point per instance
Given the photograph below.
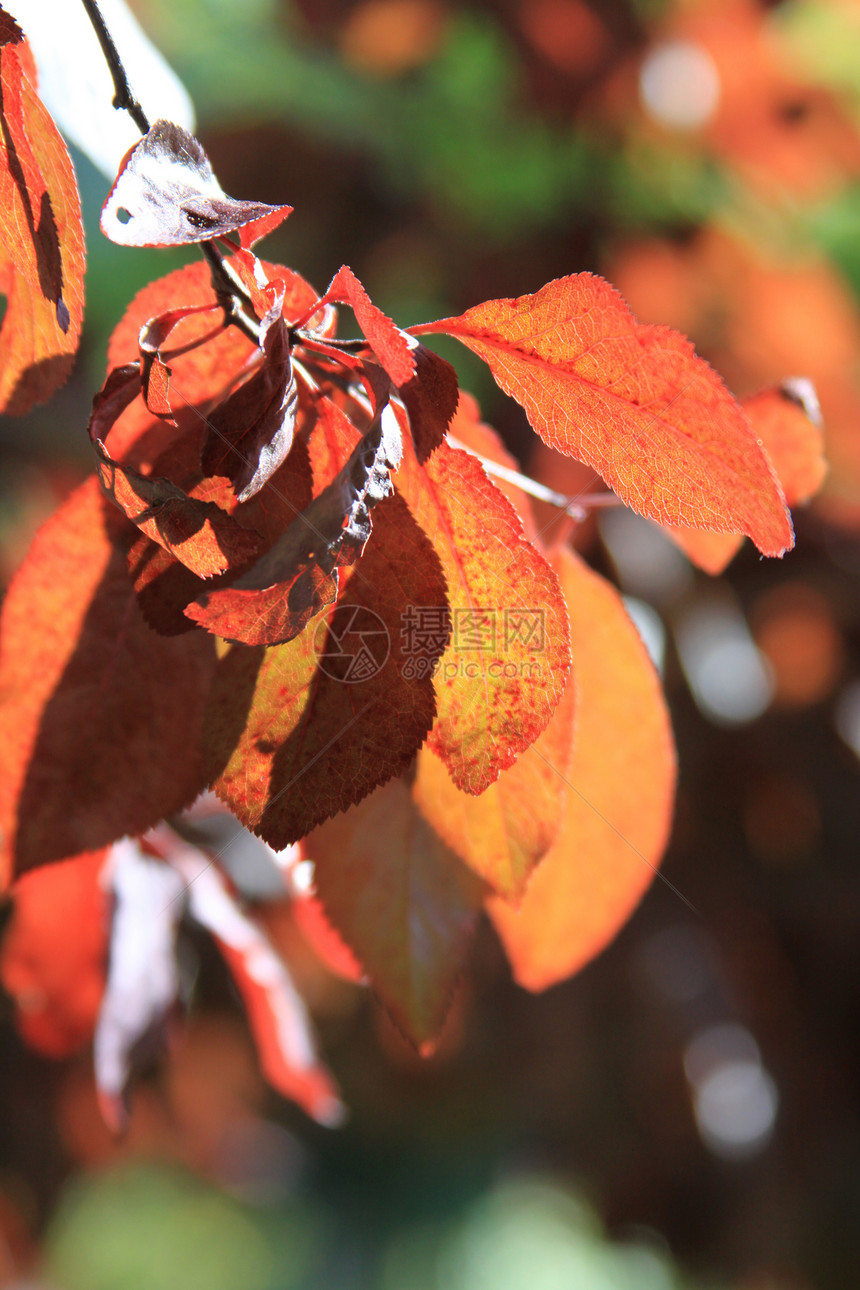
(276, 1014)
(166, 194)
(620, 789)
(199, 534)
(41, 240)
(297, 577)
(632, 401)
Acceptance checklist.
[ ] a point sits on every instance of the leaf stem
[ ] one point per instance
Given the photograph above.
(123, 98)
(575, 507)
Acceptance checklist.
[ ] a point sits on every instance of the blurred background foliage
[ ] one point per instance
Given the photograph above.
(697, 1086)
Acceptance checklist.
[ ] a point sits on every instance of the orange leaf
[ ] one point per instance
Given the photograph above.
(41, 240)
(503, 834)
(634, 402)
(787, 421)
(54, 953)
(305, 729)
(467, 430)
(402, 902)
(102, 718)
(390, 345)
(499, 680)
(621, 785)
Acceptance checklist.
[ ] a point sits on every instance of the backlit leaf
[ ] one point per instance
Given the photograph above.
(786, 420)
(306, 729)
(102, 717)
(632, 401)
(621, 783)
(502, 834)
(54, 952)
(390, 345)
(401, 900)
(499, 680)
(41, 240)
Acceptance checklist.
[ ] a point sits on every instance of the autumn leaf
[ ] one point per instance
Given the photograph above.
(632, 401)
(620, 781)
(102, 717)
(203, 375)
(303, 730)
(276, 1014)
(430, 398)
(166, 194)
(467, 430)
(502, 834)
(499, 680)
(41, 240)
(297, 577)
(401, 900)
(251, 432)
(391, 347)
(786, 420)
(53, 957)
(199, 534)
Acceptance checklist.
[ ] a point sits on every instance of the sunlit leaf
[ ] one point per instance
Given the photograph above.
(620, 782)
(402, 901)
(102, 717)
(306, 729)
(41, 240)
(499, 680)
(632, 401)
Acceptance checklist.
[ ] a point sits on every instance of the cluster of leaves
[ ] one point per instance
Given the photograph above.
(294, 580)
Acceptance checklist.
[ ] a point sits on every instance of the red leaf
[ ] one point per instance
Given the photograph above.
(391, 346)
(499, 680)
(276, 1014)
(329, 947)
(200, 534)
(297, 577)
(167, 195)
(430, 398)
(634, 402)
(307, 729)
(54, 953)
(502, 834)
(402, 901)
(102, 717)
(786, 420)
(41, 241)
(621, 784)
(201, 377)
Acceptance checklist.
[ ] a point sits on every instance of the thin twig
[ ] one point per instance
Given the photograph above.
(123, 97)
